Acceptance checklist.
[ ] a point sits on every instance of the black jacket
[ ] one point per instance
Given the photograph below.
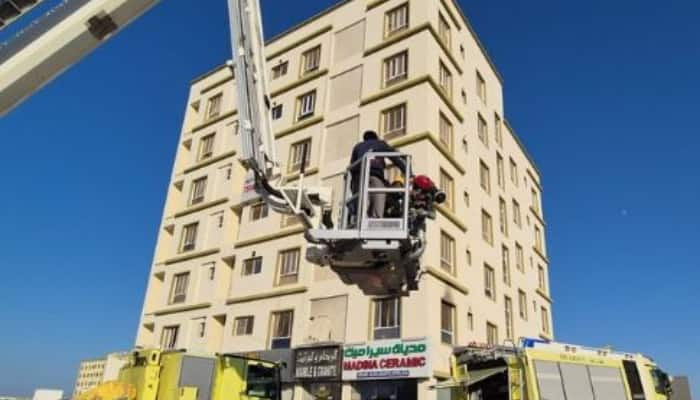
(378, 164)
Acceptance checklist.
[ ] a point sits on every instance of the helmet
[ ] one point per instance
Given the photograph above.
(422, 182)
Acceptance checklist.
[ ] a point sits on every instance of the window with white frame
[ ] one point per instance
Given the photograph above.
(447, 252)
(258, 211)
(277, 112)
(188, 241)
(505, 260)
(503, 216)
(178, 289)
(288, 264)
(444, 31)
(447, 185)
(387, 318)
(168, 337)
(243, 326)
(513, 172)
(446, 132)
(491, 334)
(214, 106)
(519, 257)
(509, 318)
(281, 329)
(541, 278)
(522, 304)
(445, 79)
(306, 104)
(481, 87)
(498, 129)
(280, 70)
(198, 190)
(486, 227)
(447, 323)
(396, 20)
(206, 147)
(252, 266)
(299, 153)
(311, 60)
(500, 170)
(539, 245)
(535, 200)
(483, 130)
(394, 122)
(396, 68)
(485, 176)
(545, 320)
(517, 217)
(489, 282)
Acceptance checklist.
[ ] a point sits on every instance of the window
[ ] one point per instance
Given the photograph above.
(220, 222)
(197, 190)
(519, 257)
(486, 227)
(522, 304)
(538, 239)
(505, 260)
(288, 264)
(491, 334)
(258, 211)
(214, 106)
(396, 68)
(202, 329)
(447, 322)
(280, 70)
(243, 326)
(252, 266)
(481, 86)
(489, 282)
(447, 185)
(444, 31)
(470, 321)
(281, 335)
(178, 291)
(446, 132)
(500, 171)
(517, 218)
(509, 318)
(513, 172)
(206, 147)
(545, 320)
(498, 129)
(535, 201)
(469, 258)
(168, 338)
(483, 130)
(394, 122)
(311, 60)
(485, 176)
(212, 272)
(396, 20)
(503, 216)
(541, 278)
(289, 220)
(306, 104)
(445, 79)
(299, 153)
(189, 237)
(387, 318)
(277, 112)
(447, 252)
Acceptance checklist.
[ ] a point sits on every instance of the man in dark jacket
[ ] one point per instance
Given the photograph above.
(372, 143)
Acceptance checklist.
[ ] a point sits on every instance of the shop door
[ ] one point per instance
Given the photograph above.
(388, 390)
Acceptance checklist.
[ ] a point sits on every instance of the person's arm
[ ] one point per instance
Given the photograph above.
(397, 161)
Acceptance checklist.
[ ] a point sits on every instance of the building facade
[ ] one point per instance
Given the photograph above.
(93, 372)
(231, 277)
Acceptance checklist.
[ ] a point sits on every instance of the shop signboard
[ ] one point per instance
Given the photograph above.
(387, 359)
(317, 363)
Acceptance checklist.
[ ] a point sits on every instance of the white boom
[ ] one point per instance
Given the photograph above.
(380, 253)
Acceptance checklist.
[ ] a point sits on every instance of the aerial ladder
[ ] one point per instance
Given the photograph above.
(380, 254)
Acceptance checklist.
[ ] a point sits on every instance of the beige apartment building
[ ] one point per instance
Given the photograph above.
(93, 372)
(231, 277)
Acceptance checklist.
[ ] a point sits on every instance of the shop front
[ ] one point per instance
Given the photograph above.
(386, 369)
(318, 371)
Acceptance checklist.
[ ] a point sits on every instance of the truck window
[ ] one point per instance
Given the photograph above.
(577, 382)
(262, 382)
(549, 380)
(661, 381)
(607, 383)
(634, 380)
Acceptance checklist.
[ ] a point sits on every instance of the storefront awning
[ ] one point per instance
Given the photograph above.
(474, 378)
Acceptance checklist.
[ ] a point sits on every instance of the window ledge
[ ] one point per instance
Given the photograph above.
(217, 84)
(544, 295)
(406, 140)
(302, 80)
(448, 279)
(294, 176)
(179, 309)
(537, 216)
(208, 162)
(546, 336)
(375, 4)
(299, 42)
(299, 126)
(273, 236)
(190, 256)
(542, 255)
(267, 295)
(452, 217)
(213, 121)
(200, 207)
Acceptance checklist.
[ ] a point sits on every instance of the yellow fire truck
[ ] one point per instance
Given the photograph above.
(177, 375)
(539, 370)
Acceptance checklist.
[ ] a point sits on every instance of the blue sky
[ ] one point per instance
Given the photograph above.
(603, 93)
